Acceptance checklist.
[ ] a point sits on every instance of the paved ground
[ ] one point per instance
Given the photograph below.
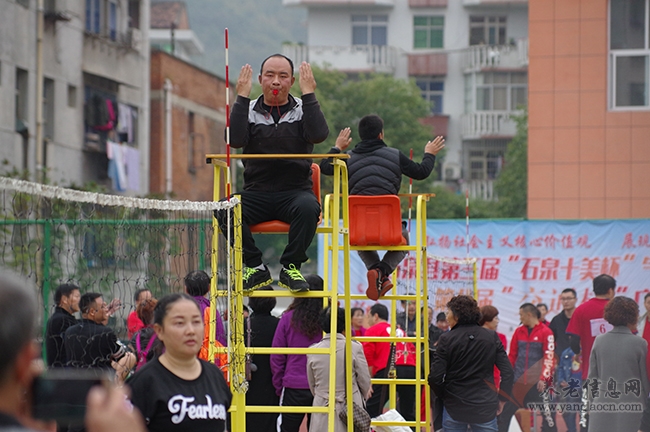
(561, 427)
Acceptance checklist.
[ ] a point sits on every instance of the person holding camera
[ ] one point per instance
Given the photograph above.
(91, 344)
(19, 366)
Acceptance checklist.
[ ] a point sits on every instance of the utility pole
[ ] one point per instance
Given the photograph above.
(168, 88)
(173, 40)
(39, 175)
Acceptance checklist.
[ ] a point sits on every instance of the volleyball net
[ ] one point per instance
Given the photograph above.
(446, 277)
(109, 244)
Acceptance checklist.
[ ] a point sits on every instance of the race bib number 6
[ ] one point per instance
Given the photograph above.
(599, 326)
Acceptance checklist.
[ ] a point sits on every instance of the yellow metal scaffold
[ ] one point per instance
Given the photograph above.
(336, 238)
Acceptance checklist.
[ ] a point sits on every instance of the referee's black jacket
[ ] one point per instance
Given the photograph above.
(462, 373)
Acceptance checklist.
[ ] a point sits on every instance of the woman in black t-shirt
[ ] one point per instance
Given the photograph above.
(177, 391)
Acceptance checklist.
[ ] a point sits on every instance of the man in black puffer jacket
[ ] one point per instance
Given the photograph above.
(376, 169)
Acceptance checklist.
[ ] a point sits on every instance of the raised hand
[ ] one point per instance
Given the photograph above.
(343, 140)
(108, 410)
(307, 80)
(433, 147)
(245, 81)
(113, 306)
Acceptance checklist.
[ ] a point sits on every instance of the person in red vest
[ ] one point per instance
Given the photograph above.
(133, 323)
(377, 355)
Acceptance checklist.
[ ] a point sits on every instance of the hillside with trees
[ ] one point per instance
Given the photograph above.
(257, 28)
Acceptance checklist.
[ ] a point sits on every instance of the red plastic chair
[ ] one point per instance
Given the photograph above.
(375, 220)
(276, 226)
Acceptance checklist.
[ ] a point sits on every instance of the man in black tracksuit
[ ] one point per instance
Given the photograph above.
(376, 169)
(66, 298)
(279, 189)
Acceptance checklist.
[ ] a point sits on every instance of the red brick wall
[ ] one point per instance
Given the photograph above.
(192, 86)
(584, 161)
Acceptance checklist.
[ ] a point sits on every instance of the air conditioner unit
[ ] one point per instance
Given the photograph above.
(54, 10)
(451, 171)
(134, 37)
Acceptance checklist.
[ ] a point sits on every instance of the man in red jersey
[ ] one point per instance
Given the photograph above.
(587, 322)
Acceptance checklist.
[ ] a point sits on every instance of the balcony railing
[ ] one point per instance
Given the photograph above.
(470, 3)
(479, 57)
(427, 3)
(484, 124)
(483, 189)
(374, 58)
(325, 3)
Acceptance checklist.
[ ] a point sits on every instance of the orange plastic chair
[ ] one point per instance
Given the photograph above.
(375, 220)
(276, 226)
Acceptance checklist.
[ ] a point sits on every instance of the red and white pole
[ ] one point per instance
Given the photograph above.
(228, 180)
(467, 221)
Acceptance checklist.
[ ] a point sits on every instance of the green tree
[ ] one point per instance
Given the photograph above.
(344, 101)
(512, 183)
(396, 101)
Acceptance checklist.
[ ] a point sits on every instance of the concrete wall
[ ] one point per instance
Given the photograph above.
(584, 161)
(68, 52)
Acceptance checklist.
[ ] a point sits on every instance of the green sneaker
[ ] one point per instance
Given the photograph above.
(256, 278)
(292, 280)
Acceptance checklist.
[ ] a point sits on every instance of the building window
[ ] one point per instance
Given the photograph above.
(501, 91)
(484, 158)
(432, 91)
(629, 48)
(134, 14)
(112, 21)
(101, 18)
(93, 16)
(21, 100)
(428, 31)
(72, 96)
(370, 30)
(48, 109)
(99, 120)
(487, 30)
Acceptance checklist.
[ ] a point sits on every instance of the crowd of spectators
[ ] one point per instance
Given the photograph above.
(478, 377)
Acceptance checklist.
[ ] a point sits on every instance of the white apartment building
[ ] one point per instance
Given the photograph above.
(95, 63)
(469, 58)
